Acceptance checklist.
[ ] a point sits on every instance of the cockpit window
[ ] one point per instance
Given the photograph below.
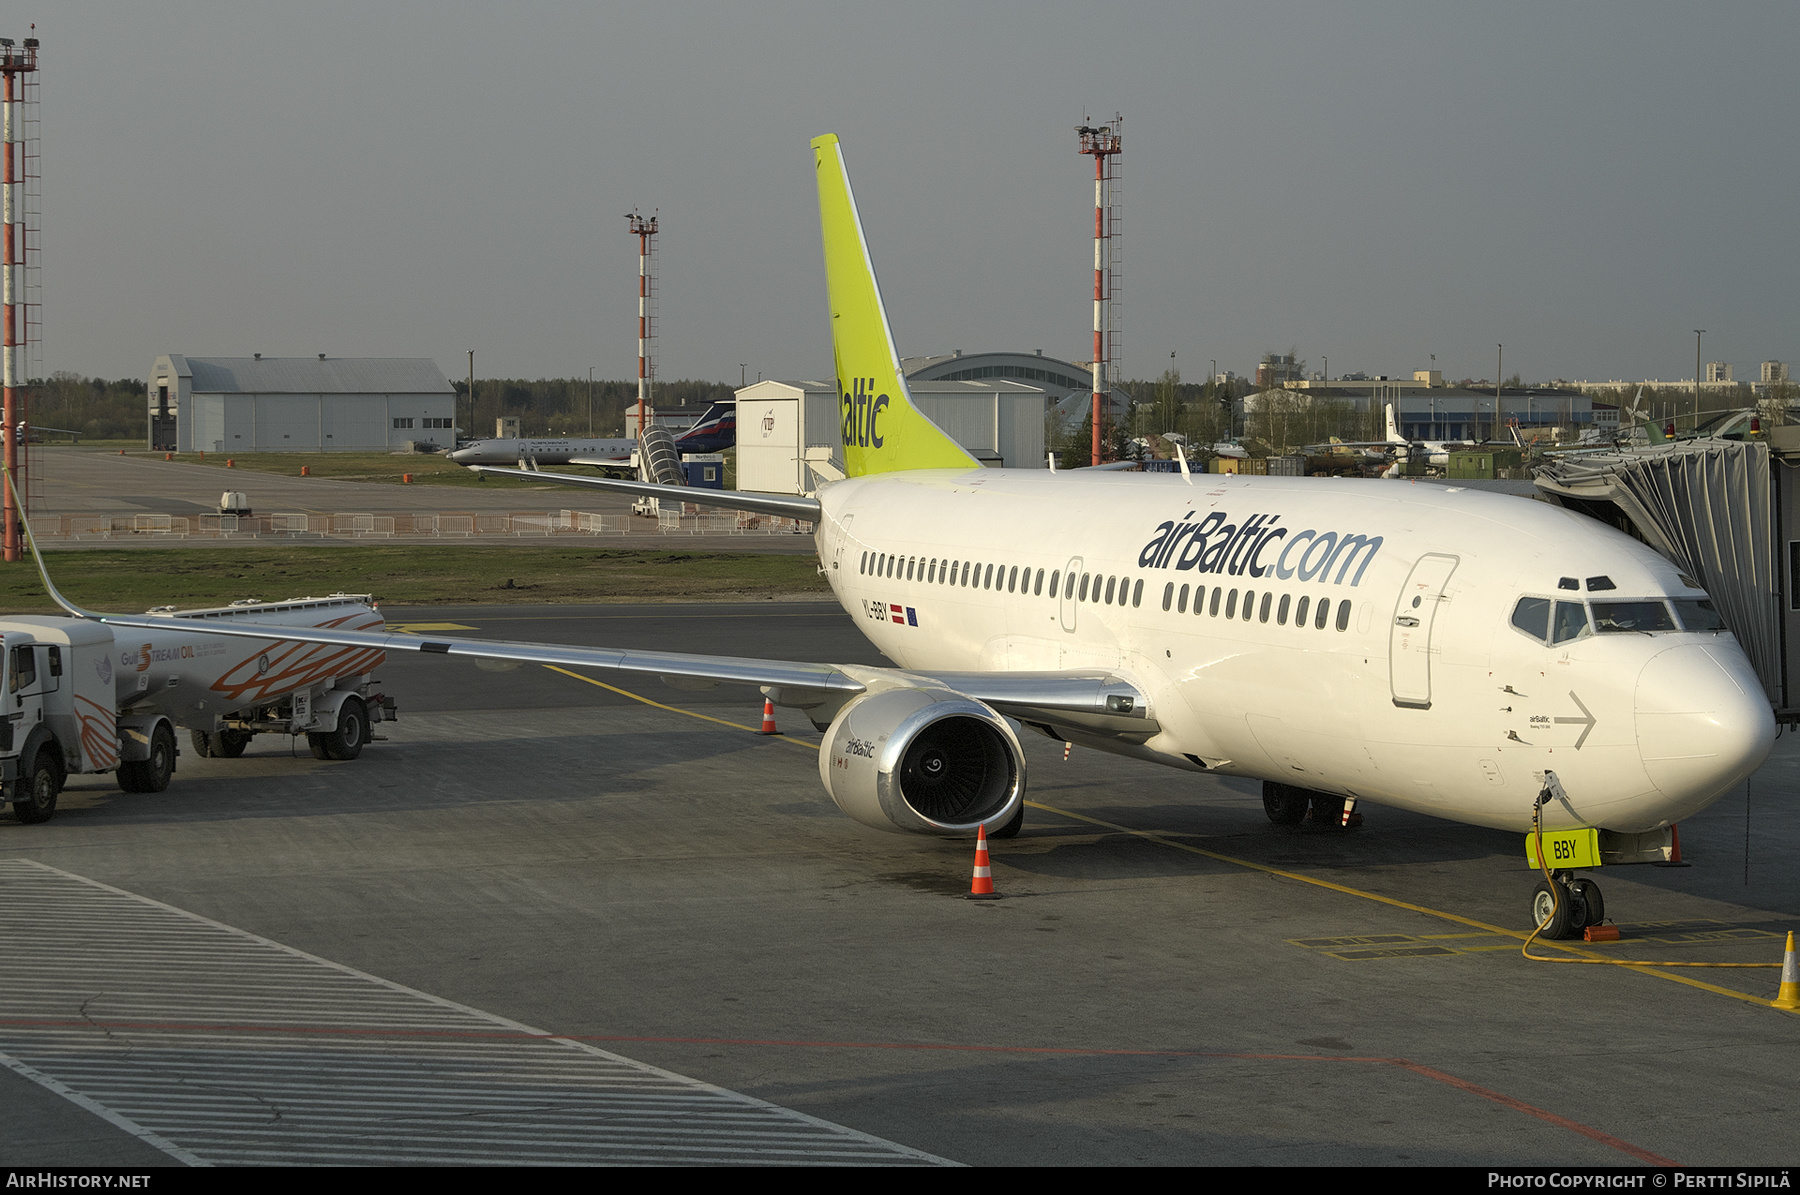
(1698, 615)
(1532, 615)
(1614, 618)
(1571, 622)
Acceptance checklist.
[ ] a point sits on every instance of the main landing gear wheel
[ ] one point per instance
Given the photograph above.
(35, 796)
(151, 775)
(1562, 918)
(1013, 825)
(346, 742)
(1285, 804)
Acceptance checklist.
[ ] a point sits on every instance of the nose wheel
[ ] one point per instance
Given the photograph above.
(1563, 906)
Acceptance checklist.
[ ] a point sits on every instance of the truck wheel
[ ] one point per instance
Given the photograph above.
(224, 744)
(346, 742)
(151, 775)
(38, 789)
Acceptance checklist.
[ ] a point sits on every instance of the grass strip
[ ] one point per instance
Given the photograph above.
(405, 574)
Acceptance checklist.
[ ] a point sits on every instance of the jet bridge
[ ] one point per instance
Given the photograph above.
(1724, 511)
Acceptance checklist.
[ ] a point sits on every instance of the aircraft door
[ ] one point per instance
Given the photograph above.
(1066, 601)
(1410, 636)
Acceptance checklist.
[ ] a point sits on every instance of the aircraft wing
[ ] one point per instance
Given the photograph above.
(793, 506)
(1096, 700)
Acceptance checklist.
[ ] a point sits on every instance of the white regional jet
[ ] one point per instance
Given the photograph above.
(1468, 655)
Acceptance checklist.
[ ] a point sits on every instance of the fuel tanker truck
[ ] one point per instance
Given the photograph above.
(82, 699)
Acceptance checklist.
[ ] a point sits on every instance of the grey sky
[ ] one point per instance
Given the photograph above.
(1372, 183)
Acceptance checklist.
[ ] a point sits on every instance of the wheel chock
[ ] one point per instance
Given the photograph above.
(1788, 996)
(1600, 933)
(982, 886)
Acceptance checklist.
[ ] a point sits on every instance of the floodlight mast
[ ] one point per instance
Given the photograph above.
(18, 68)
(1103, 142)
(644, 228)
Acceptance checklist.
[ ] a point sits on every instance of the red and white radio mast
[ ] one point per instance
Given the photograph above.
(18, 261)
(645, 230)
(1103, 143)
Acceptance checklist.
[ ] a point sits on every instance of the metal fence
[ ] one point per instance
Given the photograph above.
(434, 525)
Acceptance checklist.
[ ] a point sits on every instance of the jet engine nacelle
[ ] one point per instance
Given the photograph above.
(923, 761)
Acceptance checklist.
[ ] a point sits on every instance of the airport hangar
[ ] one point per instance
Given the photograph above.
(996, 405)
(298, 404)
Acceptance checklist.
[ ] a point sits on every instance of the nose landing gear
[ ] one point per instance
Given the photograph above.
(1563, 906)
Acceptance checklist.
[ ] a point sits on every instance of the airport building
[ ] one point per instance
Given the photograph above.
(1430, 410)
(789, 437)
(299, 404)
(1067, 385)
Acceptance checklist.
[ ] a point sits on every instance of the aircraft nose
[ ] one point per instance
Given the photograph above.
(1703, 723)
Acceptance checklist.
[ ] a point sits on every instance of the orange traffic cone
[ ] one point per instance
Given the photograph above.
(768, 726)
(982, 886)
(1788, 996)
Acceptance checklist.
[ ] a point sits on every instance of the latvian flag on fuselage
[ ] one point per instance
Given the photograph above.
(906, 616)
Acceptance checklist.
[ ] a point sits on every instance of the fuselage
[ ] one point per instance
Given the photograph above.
(550, 451)
(1422, 646)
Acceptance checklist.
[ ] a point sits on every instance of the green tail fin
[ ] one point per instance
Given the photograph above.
(882, 431)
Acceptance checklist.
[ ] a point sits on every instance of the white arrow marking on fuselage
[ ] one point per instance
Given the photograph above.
(1586, 721)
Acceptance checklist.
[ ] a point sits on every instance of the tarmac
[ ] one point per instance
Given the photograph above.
(555, 917)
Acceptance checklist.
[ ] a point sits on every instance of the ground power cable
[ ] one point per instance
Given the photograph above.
(1557, 895)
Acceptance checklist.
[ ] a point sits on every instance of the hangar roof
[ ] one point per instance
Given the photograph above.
(310, 375)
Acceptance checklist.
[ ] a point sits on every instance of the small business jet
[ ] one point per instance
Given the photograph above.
(548, 451)
(1469, 655)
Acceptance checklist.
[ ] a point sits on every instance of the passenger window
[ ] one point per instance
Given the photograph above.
(1262, 614)
(1571, 621)
(988, 583)
(1069, 586)
(1110, 581)
(863, 568)
(1343, 616)
(1169, 596)
(1698, 615)
(1084, 585)
(1323, 614)
(1181, 602)
(1012, 578)
(1249, 603)
(1281, 611)
(1300, 611)
(909, 568)
(1213, 609)
(1038, 589)
(1612, 618)
(1532, 615)
(1231, 605)
(965, 574)
(1055, 581)
(1137, 596)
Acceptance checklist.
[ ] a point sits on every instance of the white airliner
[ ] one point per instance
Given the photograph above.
(1468, 655)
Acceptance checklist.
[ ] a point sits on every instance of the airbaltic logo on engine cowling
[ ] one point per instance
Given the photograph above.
(861, 408)
(1258, 547)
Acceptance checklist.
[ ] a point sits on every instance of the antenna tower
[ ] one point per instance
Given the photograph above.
(19, 158)
(1102, 143)
(644, 229)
